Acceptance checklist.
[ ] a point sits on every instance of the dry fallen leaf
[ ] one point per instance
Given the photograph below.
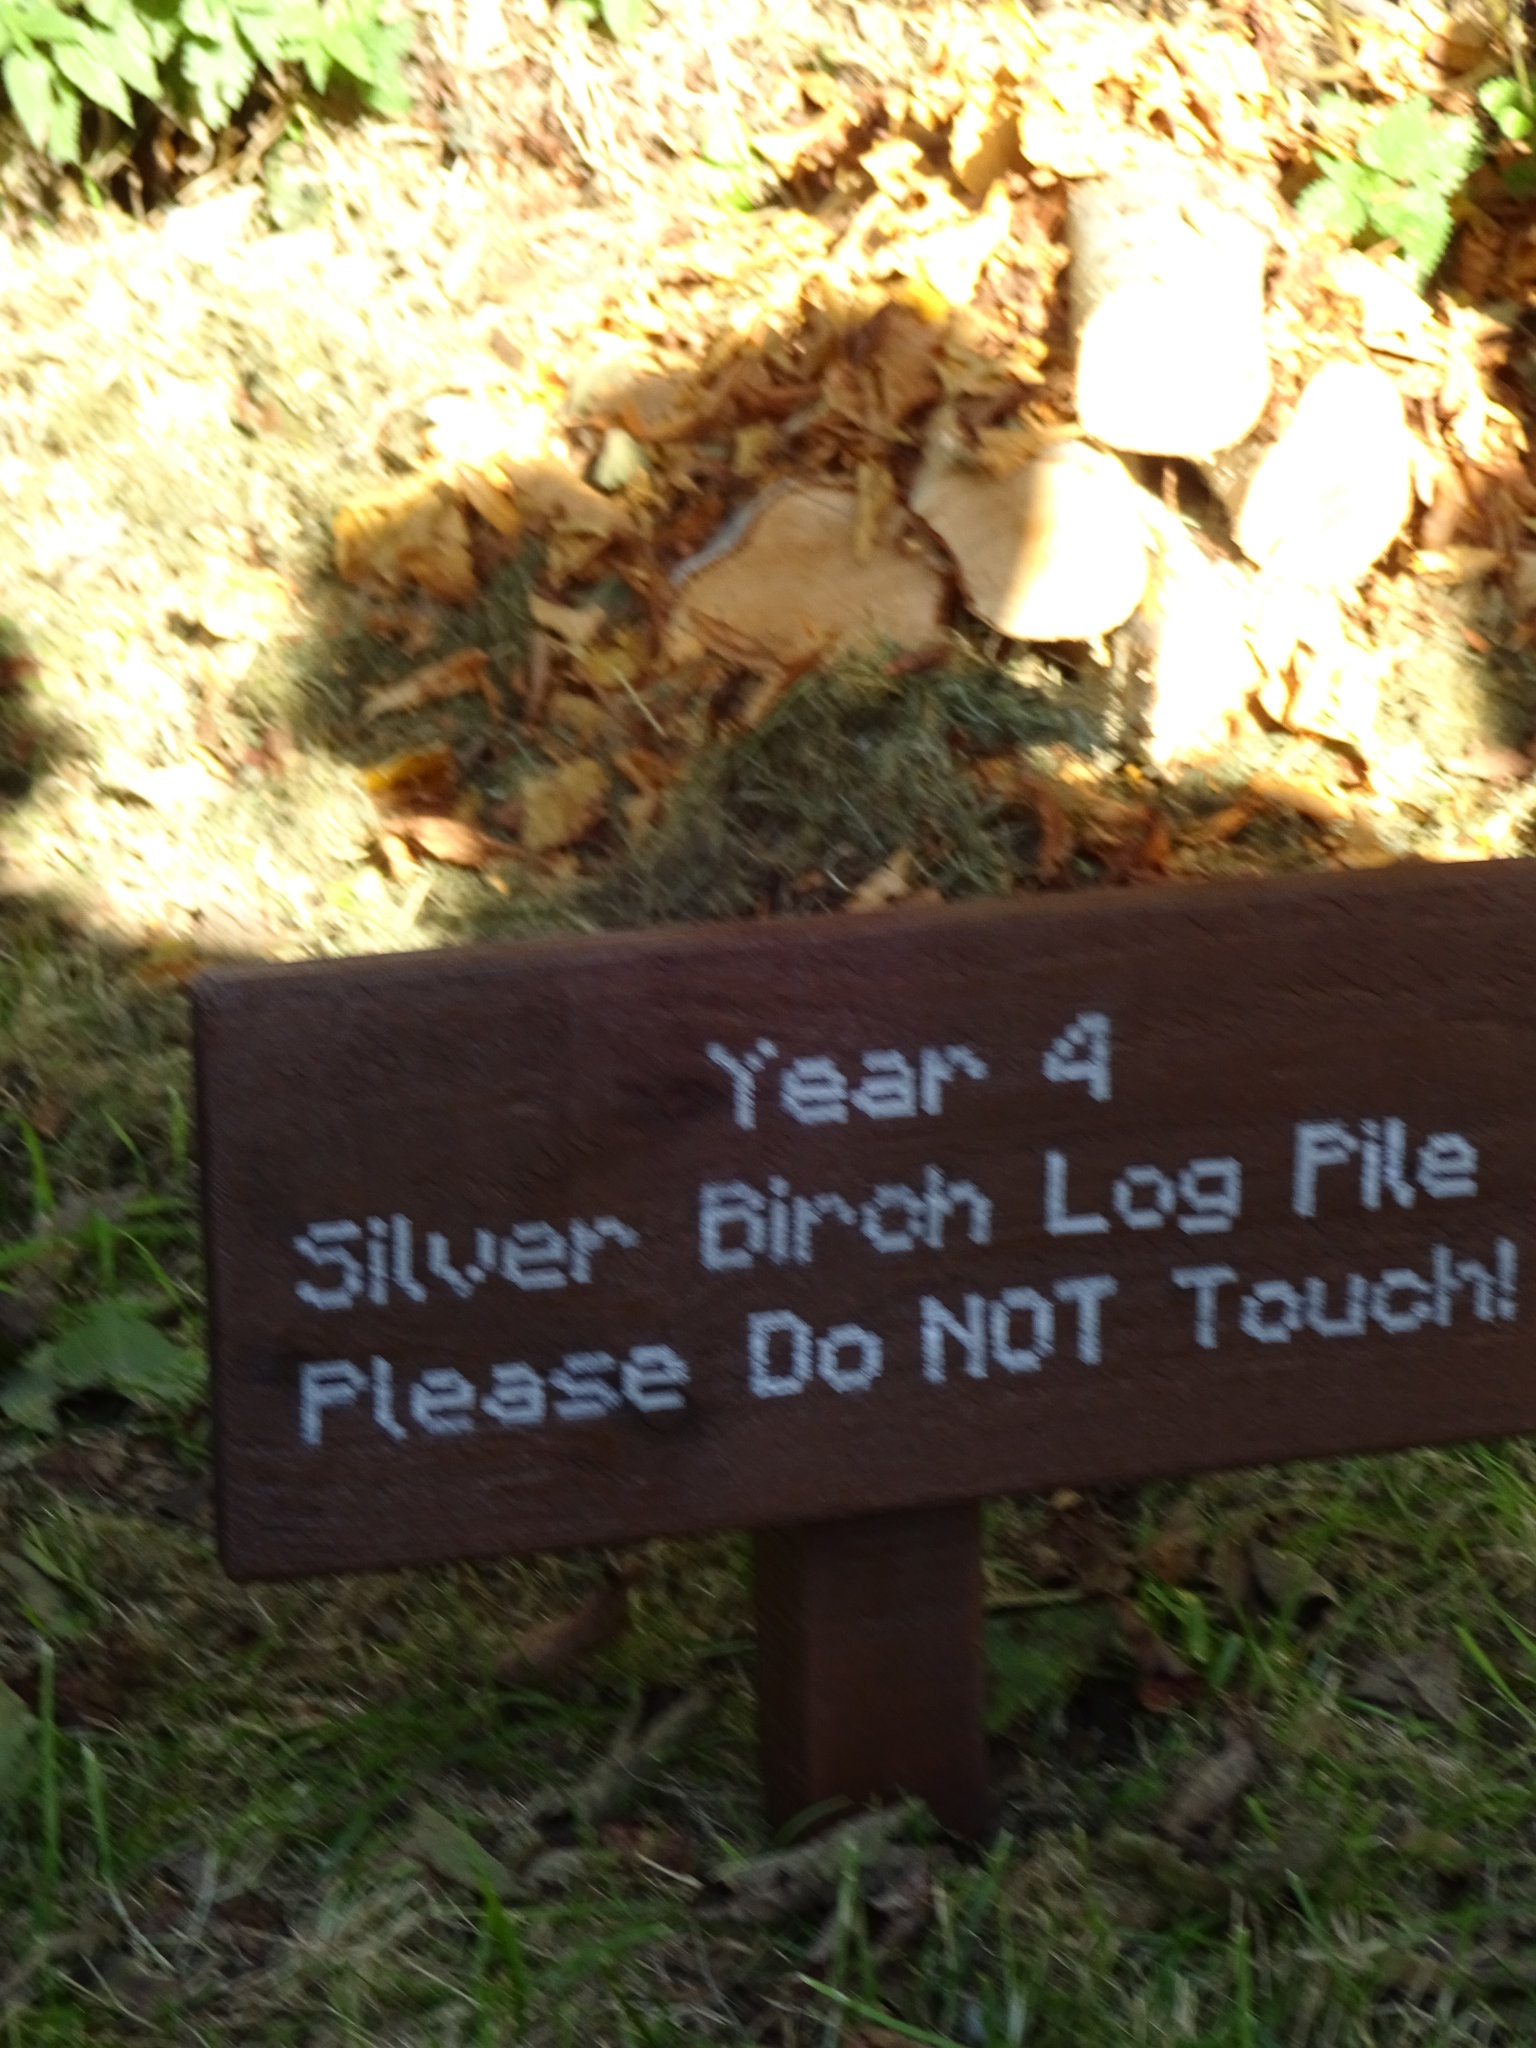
(1223, 825)
(639, 1746)
(577, 717)
(554, 500)
(450, 1852)
(393, 851)
(450, 840)
(1308, 798)
(890, 883)
(1456, 563)
(1207, 1793)
(412, 626)
(1164, 1681)
(1085, 1548)
(764, 1889)
(575, 626)
(489, 500)
(647, 771)
(422, 779)
(1005, 779)
(1132, 841)
(1290, 1584)
(984, 142)
(412, 532)
(1427, 1681)
(1174, 1551)
(554, 1646)
(562, 805)
(454, 676)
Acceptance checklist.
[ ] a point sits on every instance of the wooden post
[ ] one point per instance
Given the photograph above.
(870, 1665)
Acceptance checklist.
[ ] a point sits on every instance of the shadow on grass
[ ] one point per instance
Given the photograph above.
(327, 1715)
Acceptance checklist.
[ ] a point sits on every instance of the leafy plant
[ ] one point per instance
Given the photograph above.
(623, 19)
(195, 59)
(1508, 105)
(1407, 164)
(114, 1349)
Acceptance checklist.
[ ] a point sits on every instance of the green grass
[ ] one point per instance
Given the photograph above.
(212, 1836)
(310, 1814)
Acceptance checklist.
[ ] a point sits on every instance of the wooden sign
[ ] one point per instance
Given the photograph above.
(587, 1240)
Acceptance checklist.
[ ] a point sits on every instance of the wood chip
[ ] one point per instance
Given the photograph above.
(792, 589)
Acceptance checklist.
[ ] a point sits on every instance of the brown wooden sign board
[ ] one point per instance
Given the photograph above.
(589, 1240)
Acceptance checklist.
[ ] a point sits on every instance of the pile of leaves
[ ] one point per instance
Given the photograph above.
(713, 500)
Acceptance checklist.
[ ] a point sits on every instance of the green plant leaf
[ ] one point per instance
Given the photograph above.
(219, 75)
(348, 49)
(1420, 148)
(47, 24)
(1402, 141)
(127, 50)
(86, 65)
(161, 23)
(64, 123)
(1333, 205)
(623, 19)
(131, 37)
(1458, 152)
(262, 32)
(29, 1393)
(1036, 1665)
(1340, 108)
(1420, 223)
(29, 88)
(316, 59)
(387, 95)
(1495, 94)
(206, 18)
(117, 1350)
(1344, 172)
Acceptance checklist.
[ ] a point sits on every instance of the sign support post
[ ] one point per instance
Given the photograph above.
(870, 1672)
